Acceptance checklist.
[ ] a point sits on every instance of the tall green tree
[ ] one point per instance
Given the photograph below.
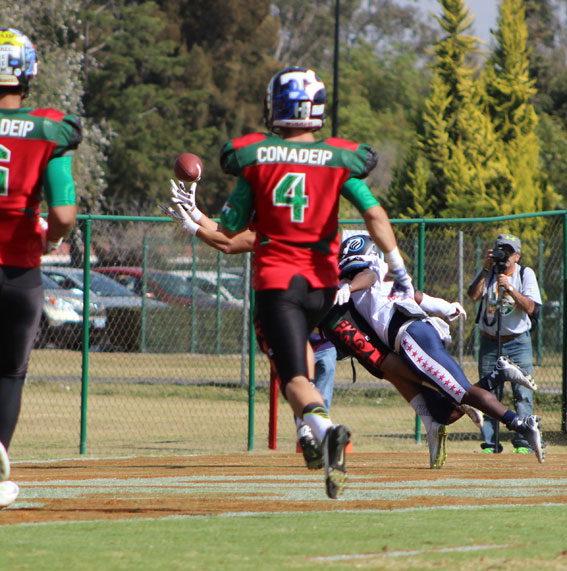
(171, 77)
(379, 92)
(545, 53)
(478, 135)
(509, 91)
(307, 30)
(548, 68)
(55, 30)
(456, 154)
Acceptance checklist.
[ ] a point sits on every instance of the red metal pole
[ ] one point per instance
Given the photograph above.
(273, 425)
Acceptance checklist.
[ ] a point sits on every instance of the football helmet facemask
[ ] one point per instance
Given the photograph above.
(356, 253)
(18, 62)
(295, 98)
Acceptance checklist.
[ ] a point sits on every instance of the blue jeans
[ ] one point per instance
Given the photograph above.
(325, 365)
(520, 351)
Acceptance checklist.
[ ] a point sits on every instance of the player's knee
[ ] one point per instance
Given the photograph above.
(294, 382)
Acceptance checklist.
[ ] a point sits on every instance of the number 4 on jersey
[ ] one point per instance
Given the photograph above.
(290, 192)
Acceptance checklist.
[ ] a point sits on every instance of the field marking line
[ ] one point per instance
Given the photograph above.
(463, 548)
(268, 513)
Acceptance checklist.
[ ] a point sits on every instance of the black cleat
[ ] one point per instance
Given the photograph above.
(312, 452)
(334, 459)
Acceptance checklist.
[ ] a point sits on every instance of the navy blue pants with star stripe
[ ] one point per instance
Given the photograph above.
(424, 351)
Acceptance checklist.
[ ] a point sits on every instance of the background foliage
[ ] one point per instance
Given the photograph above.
(455, 125)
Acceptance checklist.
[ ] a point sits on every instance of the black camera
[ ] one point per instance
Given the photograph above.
(500, 257)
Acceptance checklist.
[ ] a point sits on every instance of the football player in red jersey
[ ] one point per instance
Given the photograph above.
(353, 336)
(343, 327)
(36, 146)
(288, 191)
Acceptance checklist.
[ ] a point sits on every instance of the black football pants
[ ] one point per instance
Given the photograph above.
(21, 302)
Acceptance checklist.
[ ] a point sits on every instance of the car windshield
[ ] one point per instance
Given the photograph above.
(235, 286)
(101, 285)
(48, 283)
(107, 287)
(176, 285)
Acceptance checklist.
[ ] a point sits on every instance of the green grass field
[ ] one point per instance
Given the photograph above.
(519, 537)
(127, 415)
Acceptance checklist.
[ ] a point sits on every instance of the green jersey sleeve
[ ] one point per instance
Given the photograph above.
(229, 159)
(71, 135)
(362, 161)
(237, 210)
(58, 182)
(356, 192)
(66, 132)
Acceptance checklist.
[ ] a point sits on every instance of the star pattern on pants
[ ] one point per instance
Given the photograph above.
(430, 367)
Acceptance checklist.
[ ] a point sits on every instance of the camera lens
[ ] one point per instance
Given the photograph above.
(499, 255)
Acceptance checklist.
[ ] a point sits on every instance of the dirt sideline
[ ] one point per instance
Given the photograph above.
(155, 487)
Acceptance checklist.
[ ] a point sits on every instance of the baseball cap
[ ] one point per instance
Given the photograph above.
(509, 240)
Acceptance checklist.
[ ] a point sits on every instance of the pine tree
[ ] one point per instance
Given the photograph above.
(478, 135)
(508, 94)
(55, 28)
(455, 138)
(412, 198)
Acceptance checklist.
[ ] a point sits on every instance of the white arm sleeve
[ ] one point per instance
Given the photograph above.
(436, 306)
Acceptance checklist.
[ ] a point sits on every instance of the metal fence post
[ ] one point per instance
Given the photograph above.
(252, 373)
(193, 343)
(420, 279)
(460, 295)
(245, 319)
(144, 294)
(564, 299)
(479, 260)
(86, 322)
(218, 307)
(540, 279)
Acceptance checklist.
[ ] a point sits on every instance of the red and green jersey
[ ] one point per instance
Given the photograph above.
(288, 192)
(29, 139)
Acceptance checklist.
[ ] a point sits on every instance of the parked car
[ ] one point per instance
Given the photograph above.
(122, 306)
(62, 318)
(231, 285)
(164, 286)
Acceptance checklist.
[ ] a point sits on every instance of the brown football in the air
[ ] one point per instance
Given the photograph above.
(188, 167)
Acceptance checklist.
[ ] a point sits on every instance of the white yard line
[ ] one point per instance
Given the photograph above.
(463, 548)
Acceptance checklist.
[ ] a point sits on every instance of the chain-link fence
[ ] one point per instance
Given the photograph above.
(170, 368)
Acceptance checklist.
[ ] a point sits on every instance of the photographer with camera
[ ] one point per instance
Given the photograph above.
(510, 302)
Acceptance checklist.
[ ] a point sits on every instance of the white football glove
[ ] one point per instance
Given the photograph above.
(398, 274)
(402, 283)
(180, 216)
(342, 295)
(185, 197)
(458, 309)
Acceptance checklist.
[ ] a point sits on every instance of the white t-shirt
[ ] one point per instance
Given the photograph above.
(514, 319)
(375, 305)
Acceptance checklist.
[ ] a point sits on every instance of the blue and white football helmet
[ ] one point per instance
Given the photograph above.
(295, 98)
(18, 61)
(357, 253)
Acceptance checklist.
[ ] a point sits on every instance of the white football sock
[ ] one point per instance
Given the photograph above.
(318, 424)
(420, 406)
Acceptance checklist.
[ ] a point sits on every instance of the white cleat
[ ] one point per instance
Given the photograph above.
(509, 371)
(437, 442)
(4, 464)
(8, 493)
(530, 428)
